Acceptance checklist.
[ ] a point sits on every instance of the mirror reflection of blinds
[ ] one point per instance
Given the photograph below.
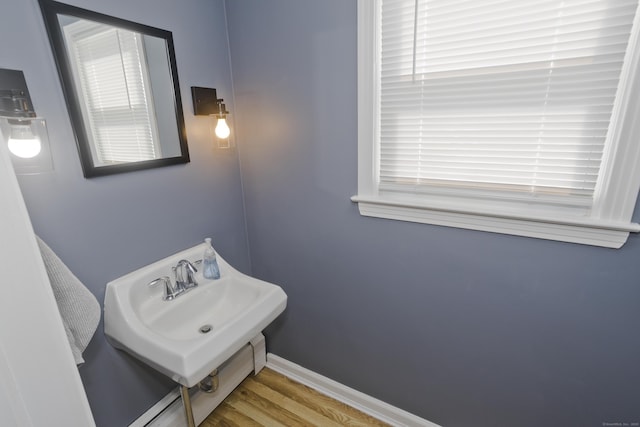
(116, 93)
(499, 94)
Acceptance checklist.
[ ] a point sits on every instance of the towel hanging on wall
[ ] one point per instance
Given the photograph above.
(79, 308)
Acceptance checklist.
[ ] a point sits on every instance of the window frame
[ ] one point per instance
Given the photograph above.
(608, 221)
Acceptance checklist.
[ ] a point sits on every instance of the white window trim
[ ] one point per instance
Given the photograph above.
(76, 33)
(608, 223)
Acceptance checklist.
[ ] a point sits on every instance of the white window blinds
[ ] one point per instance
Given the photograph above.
(500, 95)
(115, 90)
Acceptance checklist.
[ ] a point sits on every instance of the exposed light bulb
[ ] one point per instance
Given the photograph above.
(22, 142)
(222, 128)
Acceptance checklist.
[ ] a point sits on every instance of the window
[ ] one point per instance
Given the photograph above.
(500, 116)
(113, 84)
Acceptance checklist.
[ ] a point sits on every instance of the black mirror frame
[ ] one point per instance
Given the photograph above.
(50, 11)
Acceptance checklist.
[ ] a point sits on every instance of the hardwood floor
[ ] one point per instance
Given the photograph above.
(273, 400)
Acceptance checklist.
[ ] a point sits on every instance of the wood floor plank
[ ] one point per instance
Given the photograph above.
(273, 400)
(254, 412)
(280, 414)
(309, 415)
(215, 419)
(338, 411)
(232, 417)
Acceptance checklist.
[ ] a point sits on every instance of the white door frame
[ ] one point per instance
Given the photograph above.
(39, 382)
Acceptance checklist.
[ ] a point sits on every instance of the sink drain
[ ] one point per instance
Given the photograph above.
(204, 329)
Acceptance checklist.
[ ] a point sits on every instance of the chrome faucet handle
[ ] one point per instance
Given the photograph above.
(169, 290)
(191, 270)
(177, 275)
(184, 273)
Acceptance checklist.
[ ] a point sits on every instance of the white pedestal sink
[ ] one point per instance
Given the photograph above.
(167, 335)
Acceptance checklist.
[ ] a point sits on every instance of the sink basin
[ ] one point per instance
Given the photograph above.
(190, 336)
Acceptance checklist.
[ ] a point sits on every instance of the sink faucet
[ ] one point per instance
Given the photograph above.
(182, 284)
(183, 268)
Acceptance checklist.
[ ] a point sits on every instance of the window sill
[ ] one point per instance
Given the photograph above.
(588, 231)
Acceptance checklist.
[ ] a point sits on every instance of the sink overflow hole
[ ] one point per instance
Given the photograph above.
(205, 329)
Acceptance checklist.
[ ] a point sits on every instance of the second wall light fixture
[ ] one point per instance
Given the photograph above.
(207, 103)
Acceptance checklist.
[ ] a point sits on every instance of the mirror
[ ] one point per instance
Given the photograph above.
(120, 83)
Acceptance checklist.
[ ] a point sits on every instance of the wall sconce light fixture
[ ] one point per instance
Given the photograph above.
(23, 132)
(207, 103)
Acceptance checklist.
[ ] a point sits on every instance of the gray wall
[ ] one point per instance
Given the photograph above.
(463, 328)
(105, 227)
(460, 327)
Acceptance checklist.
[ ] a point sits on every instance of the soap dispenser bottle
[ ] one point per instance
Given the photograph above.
(210, 268)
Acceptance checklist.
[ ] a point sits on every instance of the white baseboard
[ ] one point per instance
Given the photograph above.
(364, 403)
(162, 405)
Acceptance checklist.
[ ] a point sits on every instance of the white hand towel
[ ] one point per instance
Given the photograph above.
(79, 309)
